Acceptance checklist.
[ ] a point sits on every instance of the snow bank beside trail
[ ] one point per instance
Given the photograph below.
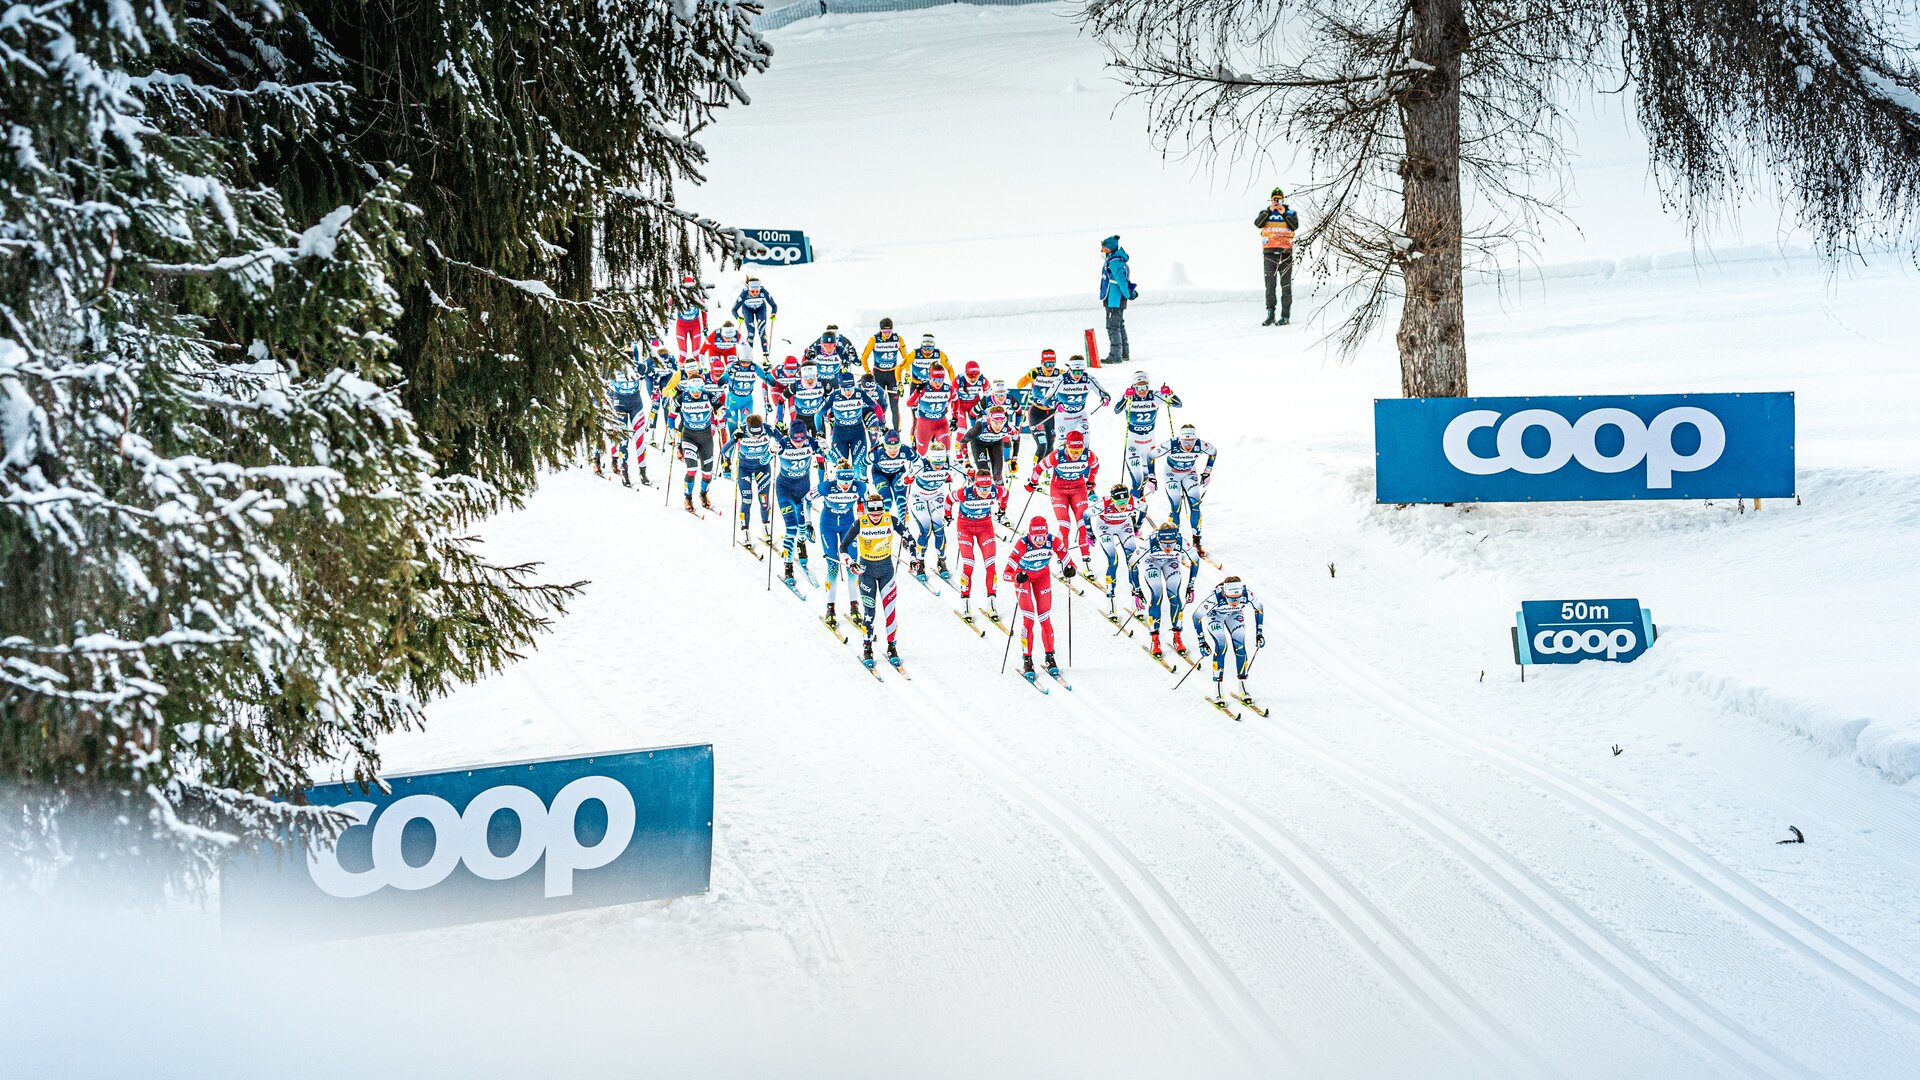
(1788, 614)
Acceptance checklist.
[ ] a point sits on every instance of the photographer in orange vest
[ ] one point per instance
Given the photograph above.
(1276, 224)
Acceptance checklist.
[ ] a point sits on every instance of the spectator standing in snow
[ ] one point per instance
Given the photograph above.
(1116, 288)
(1276, 224)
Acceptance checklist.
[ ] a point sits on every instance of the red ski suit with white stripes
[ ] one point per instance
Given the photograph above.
(1073, 477)
(1035, 555)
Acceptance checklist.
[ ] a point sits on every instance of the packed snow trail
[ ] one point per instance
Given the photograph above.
(1417, 866)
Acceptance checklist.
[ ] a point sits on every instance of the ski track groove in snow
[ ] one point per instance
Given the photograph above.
(1371, 932)
(1206, 978)
(1598, 947)
(1684, 859)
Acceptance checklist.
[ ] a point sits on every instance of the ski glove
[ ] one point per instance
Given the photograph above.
(1189, 597)
(1020, 578)
(1206, 650)
(1033, 486)
(1165, 390)
(1067, 569)
(1206, 477)
(1259, 639)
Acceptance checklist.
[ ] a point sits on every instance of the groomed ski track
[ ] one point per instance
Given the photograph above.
(1408, 870)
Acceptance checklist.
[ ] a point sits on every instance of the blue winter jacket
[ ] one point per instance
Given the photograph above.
(1116, 282)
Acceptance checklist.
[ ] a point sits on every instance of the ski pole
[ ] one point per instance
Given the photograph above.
(1019, 605)
(1069, 627)
(769, 563)
(733, 534)
(667, 498)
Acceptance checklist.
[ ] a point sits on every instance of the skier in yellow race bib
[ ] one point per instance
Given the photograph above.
(868, 552)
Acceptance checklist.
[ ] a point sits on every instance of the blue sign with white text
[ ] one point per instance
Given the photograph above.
(784, 247)
(488, 843)
(1569, 631)
(1569, 449)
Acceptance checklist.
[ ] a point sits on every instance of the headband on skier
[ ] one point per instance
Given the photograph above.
(982, 479)
(1076, 363)
(1117, 492)
(1076, 440)
(886, 324)
(844, 474)
(1187, 432)
(1140, 378)
(1233, 586)
(875, 505)
(808, 371)
(1047, 358)
(1038, 526)
(755, 423)
(936, 452)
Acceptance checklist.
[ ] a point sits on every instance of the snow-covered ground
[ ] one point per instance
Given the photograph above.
(1419, 867)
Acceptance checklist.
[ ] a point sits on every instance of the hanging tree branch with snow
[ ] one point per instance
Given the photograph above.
(1413, 109)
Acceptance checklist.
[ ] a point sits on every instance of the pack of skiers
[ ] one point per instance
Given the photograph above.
(883, 451)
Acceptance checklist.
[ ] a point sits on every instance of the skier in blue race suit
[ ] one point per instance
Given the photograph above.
(756, 310)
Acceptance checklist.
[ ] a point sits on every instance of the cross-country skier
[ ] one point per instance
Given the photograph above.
(753, 454)
(1166, 568)
(831, 353)
(792, 487)
(870, 390)
(989, 445)
(695, 403)
(1117, 524)
(883, 358)
(741, 378)
(690, 321)
(922, 362)
(1073, 470)
(840, 503)
(632, 411)
(888, 469)
(1030, 564)
(1186, 477)
(1039, 384)
(969, 390)
(848, 413)
(974, 505)
(756, 311)
(927, 487)
(931, 403)
(1222, 619)
(869, 552)
(1140, 403)
(1073, 398)
(724, 344)
(781, 382)
(809, 400)
(656, 371)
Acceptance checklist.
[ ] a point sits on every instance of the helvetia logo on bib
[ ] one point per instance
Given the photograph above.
(1577, 440)
(461, 838)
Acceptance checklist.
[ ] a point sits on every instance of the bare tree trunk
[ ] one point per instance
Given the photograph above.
(1433, 340)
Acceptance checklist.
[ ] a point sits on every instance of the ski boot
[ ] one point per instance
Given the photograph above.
(1026, 665)
(803, 549)
(643, 476)
(1178, 645)
(1282, 321)
(625, 480)
(866, 651)
(689, 504)
(786, 569)
(832, 623)
(726, 470)
(919, 567)
(705, 503)
(1052, 666)
(893, 653)
(940, 566)
(1269, 321)
(1153, 645)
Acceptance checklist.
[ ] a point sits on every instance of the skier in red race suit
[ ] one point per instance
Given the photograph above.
(1074, 470)
(1030, 566)
(690, 322)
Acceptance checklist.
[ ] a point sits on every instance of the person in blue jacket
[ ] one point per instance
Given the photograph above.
(1116, 288)
(756, 310)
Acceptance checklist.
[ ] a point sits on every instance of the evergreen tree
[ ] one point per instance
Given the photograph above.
(1414, 111)
(287, 300)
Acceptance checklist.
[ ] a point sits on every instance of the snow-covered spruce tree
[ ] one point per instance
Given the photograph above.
(1412, 109)
(544, 139)
(224, 552)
